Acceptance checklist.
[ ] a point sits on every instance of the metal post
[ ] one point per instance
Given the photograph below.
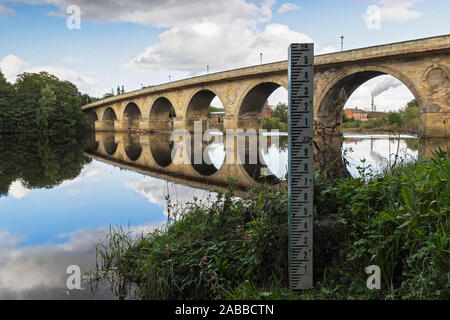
(301, 164)
(342, 43)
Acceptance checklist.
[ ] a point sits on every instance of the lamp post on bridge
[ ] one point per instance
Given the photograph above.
(260, 56)
(342, 43)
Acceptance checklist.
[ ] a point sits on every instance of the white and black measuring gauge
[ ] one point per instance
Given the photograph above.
(301, 164)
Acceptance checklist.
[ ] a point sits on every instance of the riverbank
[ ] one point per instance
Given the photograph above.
(378, 131)
(236, 248)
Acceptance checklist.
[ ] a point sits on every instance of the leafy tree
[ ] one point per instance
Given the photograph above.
(8, 106)
(40, 102)
(108, 95)
(39, 162)
(213, 109)
(47, 106)
(395, 118)
(86, 99)
(281, 112)
(411, 116)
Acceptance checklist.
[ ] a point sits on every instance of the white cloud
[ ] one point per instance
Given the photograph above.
(155, 191)
(279, 95)
(90, 172)
(224, 46)
(198, 32)
(5, 11)
(12, 65)
(326, 49)
(396, 10)
(163, 13)
(286, 7)
(390, 100)
(18, 190)
(8, 241)
(39, 272)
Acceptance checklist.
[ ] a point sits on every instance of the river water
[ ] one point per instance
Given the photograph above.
(58, 200)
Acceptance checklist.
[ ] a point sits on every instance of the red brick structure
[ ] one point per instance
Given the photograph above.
(217, 117)
(267, 112)
(356, 113)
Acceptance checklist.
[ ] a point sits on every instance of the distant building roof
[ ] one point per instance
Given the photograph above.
(356, 110)
(267, 108)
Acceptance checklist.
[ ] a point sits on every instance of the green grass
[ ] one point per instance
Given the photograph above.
(236, 248)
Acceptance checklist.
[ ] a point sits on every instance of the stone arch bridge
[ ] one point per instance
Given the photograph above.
(422, 65)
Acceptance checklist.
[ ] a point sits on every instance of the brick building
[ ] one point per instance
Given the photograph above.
(356, 113)
(217, 117)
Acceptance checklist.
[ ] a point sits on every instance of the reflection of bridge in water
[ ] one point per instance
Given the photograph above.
(152, 155)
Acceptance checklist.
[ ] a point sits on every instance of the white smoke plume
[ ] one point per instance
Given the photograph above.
(384, 85)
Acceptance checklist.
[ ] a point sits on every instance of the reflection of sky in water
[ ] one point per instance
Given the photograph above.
(216, 153)
(43, 231)
(275, 159)
(378, 151)
(375, 150)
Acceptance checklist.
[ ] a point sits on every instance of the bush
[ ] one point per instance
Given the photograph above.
(271, 123)
(398, 221)
(41, 103)
(237, 248)
(206, 251)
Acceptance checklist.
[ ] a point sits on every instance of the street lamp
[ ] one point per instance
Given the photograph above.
(260, 56)
(342, 43)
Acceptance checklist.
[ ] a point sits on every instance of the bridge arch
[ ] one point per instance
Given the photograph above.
(254, 99)
(335, 94)
(133, 151)
(109, 115)
(161, 146)
(110, 147)
(249, 156)
(207, 166)
(132, 112)
(198, 104)
(161, 109)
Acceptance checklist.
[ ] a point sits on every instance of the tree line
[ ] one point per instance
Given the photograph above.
(402, 120)
(41, 103)
(279, 118)
(42, 162)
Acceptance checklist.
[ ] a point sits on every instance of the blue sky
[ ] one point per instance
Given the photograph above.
(143, 42)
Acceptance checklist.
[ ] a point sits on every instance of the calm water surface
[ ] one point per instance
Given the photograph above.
(56, 204)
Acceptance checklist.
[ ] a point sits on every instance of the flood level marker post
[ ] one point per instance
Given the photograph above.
(301, 164)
